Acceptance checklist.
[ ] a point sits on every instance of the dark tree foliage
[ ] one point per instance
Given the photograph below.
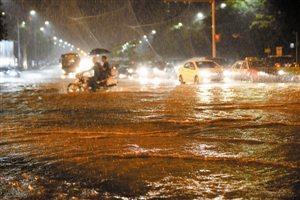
(247, 28)
(3, 30)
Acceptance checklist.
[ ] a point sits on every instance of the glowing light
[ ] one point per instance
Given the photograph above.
(205, 73)
(200, 16)
(281, 72)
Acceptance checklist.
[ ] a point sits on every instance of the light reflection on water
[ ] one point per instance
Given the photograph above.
(209, 141)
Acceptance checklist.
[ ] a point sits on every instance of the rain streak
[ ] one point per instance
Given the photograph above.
(169, 120)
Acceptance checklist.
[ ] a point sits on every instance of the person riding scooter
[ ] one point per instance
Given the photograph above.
(105, 68)
(98, 74)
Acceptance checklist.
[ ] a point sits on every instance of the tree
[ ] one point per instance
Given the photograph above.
(248, 27)
(3, 30)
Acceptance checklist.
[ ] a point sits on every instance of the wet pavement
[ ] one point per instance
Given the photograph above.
(148, 139)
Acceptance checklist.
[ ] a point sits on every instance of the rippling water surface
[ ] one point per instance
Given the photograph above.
(150, 140)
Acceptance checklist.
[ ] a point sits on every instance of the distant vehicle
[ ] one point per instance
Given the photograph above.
(170, 71)
(125, 69)
(145, 70)
(250, 70)
(159, 69)
(131, 70)
(199, 71)
(9, 72)
(69, 63)
(281, 61)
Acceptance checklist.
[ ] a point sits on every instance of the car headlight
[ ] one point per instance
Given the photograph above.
(143, 72)
(281, 72)
(78, 70)
(12, 73)
(130, 70)
(205, 73)
(155, 70)
(226, 73)
(260, 73)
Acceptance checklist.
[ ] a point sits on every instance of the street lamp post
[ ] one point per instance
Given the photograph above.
(213, 26)
(19, 48)
(34, 29)
(213, 21)
(297, 44)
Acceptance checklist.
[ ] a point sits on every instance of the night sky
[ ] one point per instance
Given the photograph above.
(90, 23)
(95, 23)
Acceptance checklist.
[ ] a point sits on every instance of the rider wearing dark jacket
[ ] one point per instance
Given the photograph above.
(105, 68)
(97, 73)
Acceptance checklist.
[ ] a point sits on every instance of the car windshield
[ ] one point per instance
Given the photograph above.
(202, 64)
(257, 64)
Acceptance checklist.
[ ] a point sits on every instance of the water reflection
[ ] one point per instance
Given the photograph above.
(208, 141)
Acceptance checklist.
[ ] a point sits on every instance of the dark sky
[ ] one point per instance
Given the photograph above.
(94, 23)
(88, 24)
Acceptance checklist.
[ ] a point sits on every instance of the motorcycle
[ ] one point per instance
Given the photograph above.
(82, 82)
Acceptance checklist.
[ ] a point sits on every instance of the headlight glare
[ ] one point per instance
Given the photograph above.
(281, 72)
(130, 70)
(205, 73)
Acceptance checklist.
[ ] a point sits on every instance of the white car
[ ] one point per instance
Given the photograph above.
(199, 71)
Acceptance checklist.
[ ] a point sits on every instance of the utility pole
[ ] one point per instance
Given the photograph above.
(19, 48)
(213, 21)
(297, 44)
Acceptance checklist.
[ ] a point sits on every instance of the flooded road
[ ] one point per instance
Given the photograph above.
(151, 139)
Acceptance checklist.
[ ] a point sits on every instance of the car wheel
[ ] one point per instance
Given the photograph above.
(196, 80)
(181, 80)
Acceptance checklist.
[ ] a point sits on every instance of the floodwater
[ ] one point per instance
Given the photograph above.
(149, 140)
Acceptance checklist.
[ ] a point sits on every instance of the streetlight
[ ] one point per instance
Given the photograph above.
(223, 5)
(32, 13)
(200, 15)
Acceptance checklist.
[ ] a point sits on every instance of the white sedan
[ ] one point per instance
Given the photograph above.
(199, 71)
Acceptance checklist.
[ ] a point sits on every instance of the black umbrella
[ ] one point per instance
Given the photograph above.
(98, 51)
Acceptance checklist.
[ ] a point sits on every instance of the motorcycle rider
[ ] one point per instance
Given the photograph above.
(105, 68)
(97, 73)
